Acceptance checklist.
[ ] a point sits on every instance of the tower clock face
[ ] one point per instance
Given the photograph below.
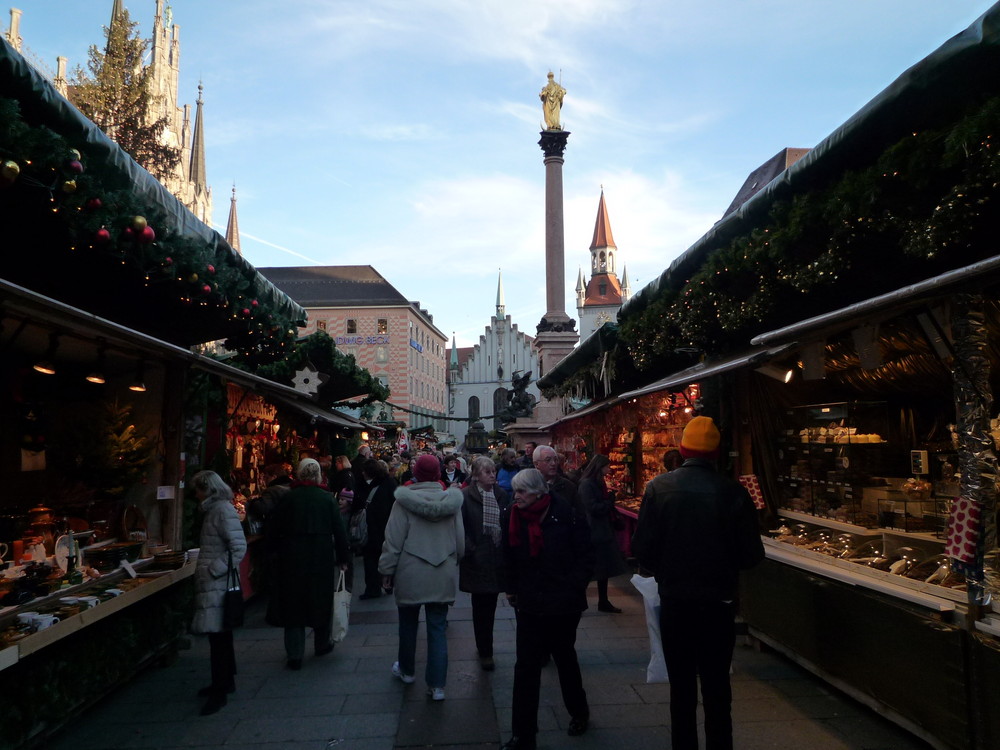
(603, 318)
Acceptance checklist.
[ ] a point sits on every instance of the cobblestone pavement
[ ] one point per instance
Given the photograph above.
(349, 701)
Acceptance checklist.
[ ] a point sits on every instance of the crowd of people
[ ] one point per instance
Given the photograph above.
(429, 525)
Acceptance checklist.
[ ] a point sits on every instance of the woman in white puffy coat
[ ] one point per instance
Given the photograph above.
(221, 534)
(424, 540)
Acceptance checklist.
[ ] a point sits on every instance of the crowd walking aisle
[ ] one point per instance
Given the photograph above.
(348, 700)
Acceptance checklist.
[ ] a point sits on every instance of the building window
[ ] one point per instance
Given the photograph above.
(352, 325)
(473, 408)
(381, 354)
(320, 325)
(602, 288)
(383, 325)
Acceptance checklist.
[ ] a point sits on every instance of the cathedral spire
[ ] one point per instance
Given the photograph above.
(602, 248)
(233, 226)
(116, 11)
(501, 307)
(198, 149)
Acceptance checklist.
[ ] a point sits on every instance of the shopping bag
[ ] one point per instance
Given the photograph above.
(232, 601)
(656, 671)
(341, 609)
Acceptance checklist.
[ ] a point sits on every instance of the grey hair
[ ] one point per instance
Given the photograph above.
(541, 451)
(529, 480)
(212, 485)
(309, 470)
(479, 463)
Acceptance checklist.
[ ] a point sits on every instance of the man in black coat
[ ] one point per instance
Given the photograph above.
(697, 530)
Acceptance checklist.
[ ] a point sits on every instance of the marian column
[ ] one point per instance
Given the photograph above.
(557, 333)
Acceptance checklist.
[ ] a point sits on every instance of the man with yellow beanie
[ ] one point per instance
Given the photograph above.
(697, 529)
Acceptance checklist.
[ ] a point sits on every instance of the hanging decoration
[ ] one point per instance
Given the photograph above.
(109, 223)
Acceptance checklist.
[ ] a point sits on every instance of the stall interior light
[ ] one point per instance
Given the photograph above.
(139, 383)
(97, 374)
(47, 364)
(784, 374)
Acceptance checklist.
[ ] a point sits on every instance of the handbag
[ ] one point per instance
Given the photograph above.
(341, 609)
(232, 601)
(357, 532)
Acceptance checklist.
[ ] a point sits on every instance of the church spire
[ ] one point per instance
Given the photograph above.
(581, 288)
(233, 226)
(602, 248)
(198, 149)
(501, 307)
(116, 11)
(626, 288)
(453, 360)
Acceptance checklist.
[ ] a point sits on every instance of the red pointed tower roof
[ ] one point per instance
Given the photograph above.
(602, 228)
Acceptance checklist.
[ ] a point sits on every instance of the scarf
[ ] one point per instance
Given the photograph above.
(491, 515)
(533, 517)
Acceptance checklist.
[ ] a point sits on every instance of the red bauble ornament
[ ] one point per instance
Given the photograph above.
(147, 235)
(128, 234)
(168, 260)
(246, 310)
(210, 268)
(74, 166)
(206, 289)
(102, 236)
(253, 303)
(94, 203)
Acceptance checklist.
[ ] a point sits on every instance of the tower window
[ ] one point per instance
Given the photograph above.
(602, 288)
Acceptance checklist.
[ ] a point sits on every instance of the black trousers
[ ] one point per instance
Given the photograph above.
(537, 637)
(484, 611)
(698, 641)
(222, 657)
(373, 579)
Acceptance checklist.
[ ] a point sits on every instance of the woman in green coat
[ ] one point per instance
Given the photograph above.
(309, 543)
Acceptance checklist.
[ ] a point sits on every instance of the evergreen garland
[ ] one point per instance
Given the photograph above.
(109, 224)
(920, 210)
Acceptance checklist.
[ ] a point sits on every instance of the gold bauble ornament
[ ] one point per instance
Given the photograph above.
(69, 186)
(74, 155)
(10, 170)
(193, 278)
(138, 223)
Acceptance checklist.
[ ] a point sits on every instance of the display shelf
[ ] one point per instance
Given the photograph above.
(935, 598)
(37, 641)
(829, 523)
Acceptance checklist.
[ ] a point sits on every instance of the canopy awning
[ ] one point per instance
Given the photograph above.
(708, 369)
(318, 414)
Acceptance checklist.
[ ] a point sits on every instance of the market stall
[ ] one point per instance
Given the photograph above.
(866, 282)
(106, 284)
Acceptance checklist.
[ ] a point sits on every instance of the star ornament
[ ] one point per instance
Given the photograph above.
(309, 380)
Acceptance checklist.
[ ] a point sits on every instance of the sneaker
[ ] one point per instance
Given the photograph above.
(397, 672)
(436, 694)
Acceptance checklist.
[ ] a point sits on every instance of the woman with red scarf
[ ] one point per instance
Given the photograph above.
(599, 502)
(548, 560)
(306, 535)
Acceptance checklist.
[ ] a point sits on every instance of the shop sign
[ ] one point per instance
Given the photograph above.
(362, 340)
(417, 346)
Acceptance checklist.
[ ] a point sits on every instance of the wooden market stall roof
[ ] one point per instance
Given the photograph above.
(187, 286)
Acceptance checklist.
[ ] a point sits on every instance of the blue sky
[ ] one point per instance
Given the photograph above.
(403, 133)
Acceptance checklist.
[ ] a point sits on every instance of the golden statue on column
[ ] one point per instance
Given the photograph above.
(552, 97)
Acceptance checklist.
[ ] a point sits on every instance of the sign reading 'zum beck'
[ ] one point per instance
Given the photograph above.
(361, 340)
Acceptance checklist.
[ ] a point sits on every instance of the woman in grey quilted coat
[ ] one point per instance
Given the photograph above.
(424, 540)
(221, 534)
